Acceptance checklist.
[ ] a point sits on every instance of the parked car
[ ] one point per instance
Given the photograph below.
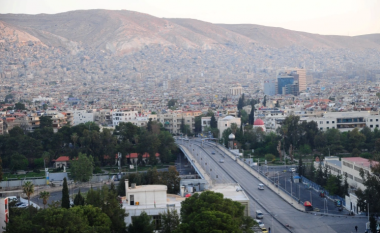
(21, 205)
(259, 214)
(292, 169)
(260, 223)
(264, 230)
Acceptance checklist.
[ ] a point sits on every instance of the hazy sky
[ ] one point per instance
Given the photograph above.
(334, 17)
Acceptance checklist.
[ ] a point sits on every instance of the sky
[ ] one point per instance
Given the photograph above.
(327, 17)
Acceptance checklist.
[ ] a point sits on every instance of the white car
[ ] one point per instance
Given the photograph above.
(260, 187)
(292, 169)
(221, 161)
(261, 224)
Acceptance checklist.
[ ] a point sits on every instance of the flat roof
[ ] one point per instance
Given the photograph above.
(335, 162)
(360, 161)
(143, 188)
(229, 191)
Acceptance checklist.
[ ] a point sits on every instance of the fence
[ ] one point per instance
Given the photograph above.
(318, 188)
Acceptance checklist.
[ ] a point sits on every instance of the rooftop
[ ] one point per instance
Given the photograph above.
(229, 191)
(360, 161)
(144, 188)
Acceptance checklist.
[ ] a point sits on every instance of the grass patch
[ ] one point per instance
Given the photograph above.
(139, 168)
(27, 175)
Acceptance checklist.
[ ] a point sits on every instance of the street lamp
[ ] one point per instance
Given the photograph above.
(365, 201)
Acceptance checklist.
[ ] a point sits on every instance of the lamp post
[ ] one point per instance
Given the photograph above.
(365, 201)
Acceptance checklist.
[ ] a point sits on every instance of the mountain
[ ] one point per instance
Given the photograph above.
(127, 31)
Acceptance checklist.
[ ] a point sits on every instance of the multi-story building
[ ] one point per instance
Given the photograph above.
(172, 121)
(119, 115)
(345, 121)
(82, 116)
(270, 87)
(206, 122)
(351, 168)
(283, 79)
(225, 123)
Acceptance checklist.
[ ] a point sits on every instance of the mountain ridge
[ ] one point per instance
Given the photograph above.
(125, 31)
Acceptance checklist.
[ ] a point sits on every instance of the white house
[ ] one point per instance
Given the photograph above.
(225, 123)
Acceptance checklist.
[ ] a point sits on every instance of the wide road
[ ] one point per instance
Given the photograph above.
(272, 204)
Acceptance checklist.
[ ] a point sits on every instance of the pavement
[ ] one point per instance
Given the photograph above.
(278, 207)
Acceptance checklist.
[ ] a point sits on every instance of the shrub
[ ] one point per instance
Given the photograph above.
(97, 170)
(270, 157)
(36, 170)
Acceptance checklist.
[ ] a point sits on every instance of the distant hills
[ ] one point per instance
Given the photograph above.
(127, 31)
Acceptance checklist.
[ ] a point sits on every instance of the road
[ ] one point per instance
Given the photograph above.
(270, 203)
(299, 191)
(57, 195)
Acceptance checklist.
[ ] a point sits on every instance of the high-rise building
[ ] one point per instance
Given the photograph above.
(270, 87)
(283, 79)
(301, 78)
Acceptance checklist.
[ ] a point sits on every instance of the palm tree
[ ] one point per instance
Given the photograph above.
(44, 195)
(74, 137)
(28, 189)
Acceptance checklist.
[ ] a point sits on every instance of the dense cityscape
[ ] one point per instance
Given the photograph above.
(179, 134)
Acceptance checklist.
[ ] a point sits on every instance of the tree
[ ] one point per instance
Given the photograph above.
(170, 220)
(277, 105)
(373, 223)
(356, 138)
(79, 199)
(265, 101)
(213, 122)
(81, 168)
(45, 121)
(106, 199)
(19, 106)
(210, 212)
(251, 117)
(28, 189)
(331, 185)
(142, 224)
(171, 179)
(300, 167)
(172, 103)
(1, 169)
(44, 195)
(18, 162)
(65, 203)
(270, 157)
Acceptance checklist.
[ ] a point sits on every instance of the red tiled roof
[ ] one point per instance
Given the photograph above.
(62, 159)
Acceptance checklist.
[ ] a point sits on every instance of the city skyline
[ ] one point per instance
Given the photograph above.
(348, 18)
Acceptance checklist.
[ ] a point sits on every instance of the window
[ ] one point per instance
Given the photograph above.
(377, 119)
(333, 122)
(377, 126)
(370, 120)
(321, 122)
(333, 127)
(225, 125)
(327, 122)
(321, 128)
(328, 128)
(371, 126)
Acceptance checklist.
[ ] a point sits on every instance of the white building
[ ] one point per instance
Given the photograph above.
(345, 121)
(206, 122)
(151, 199)
(351, 167)
(134, 117)
(236, 90)
(225, 123)
(82, 116)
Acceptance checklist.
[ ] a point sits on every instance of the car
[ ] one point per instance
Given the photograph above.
(264, 230)
(292, 169)
(213, 152)
(316, 209)
(12, 198)
(260, 187)
(260, 223)
(221, 161)
(21, 205)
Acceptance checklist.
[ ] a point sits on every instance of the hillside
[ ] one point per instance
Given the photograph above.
(127, 31)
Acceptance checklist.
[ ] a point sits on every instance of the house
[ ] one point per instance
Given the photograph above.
(61, 161)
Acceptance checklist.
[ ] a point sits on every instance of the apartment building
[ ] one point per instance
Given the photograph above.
(172, 121)
(120, 115)
(205, 122)
(82, 116)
